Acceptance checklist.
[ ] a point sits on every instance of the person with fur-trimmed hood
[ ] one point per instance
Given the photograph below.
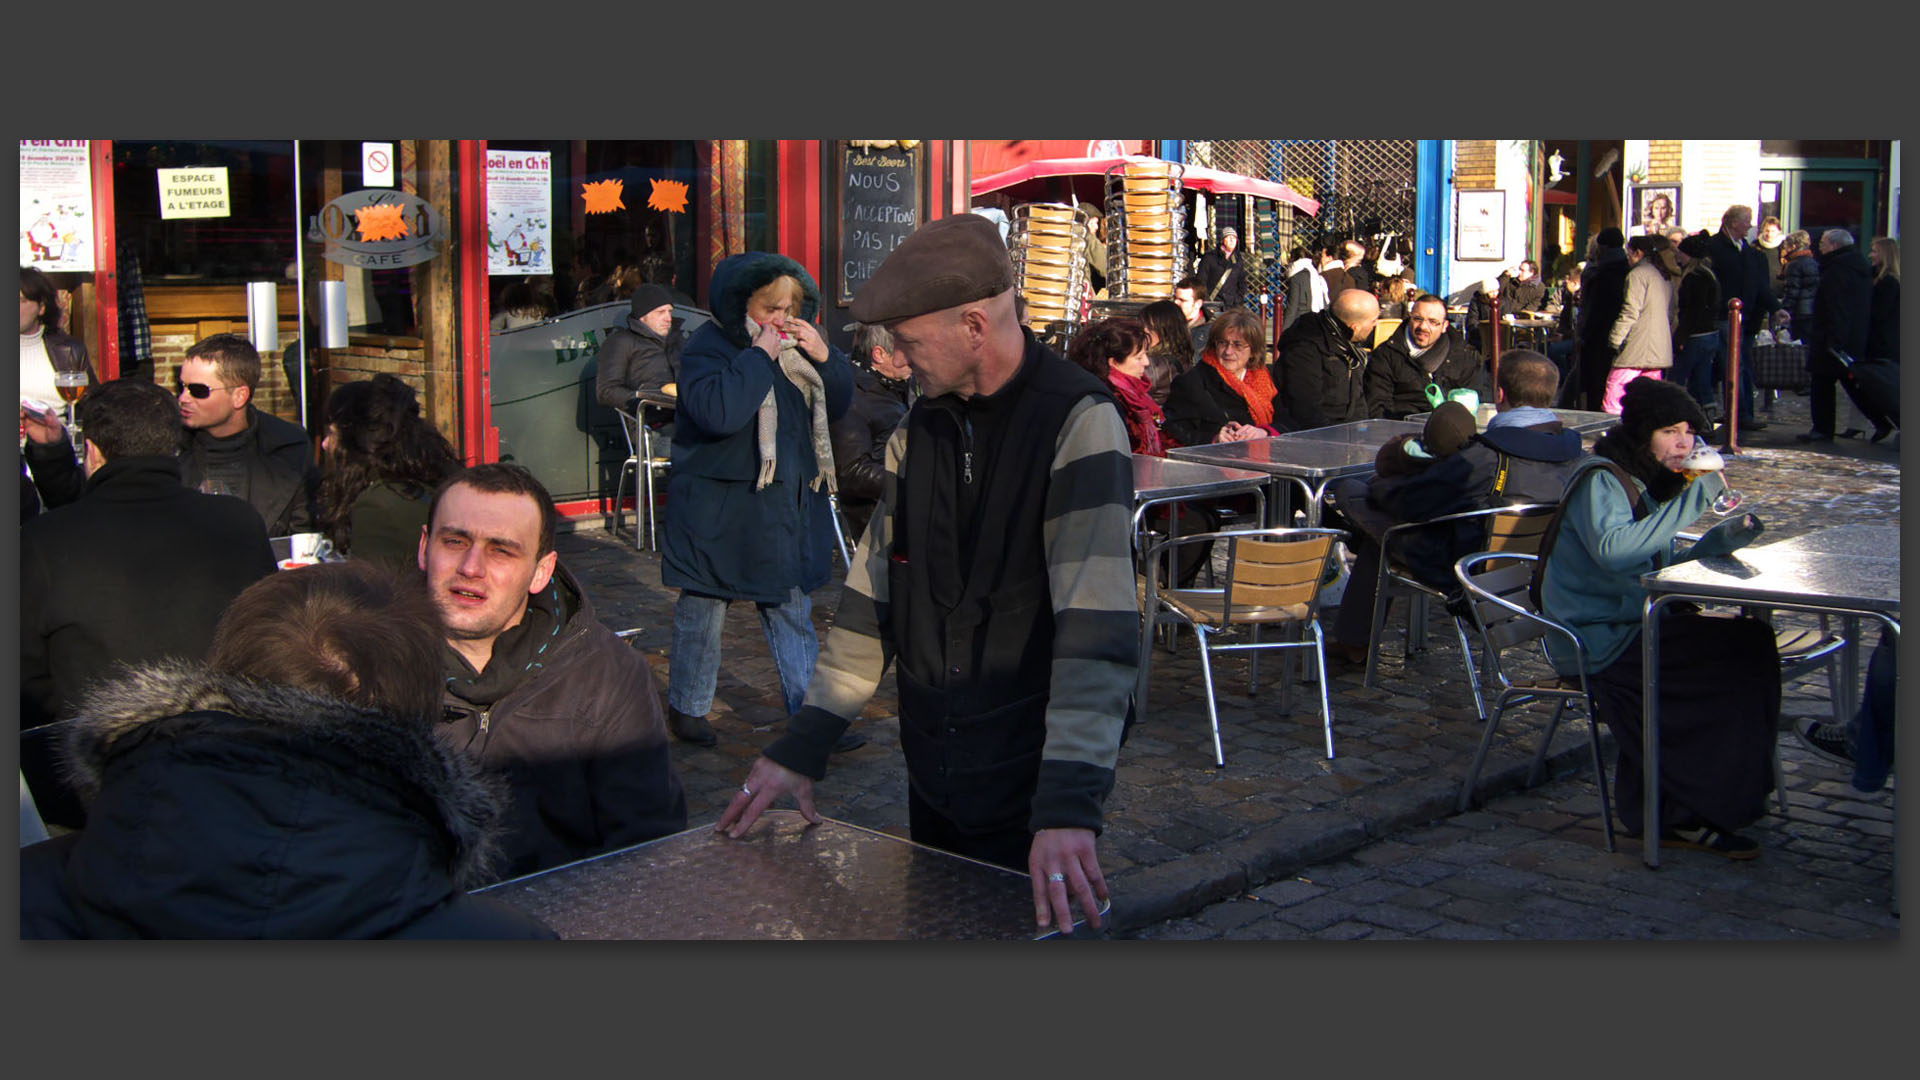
(289, 787)
(752, 469)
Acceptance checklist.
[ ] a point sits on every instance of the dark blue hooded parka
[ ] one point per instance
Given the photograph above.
(723, 538)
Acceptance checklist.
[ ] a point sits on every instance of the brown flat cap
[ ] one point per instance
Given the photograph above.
(955, 260)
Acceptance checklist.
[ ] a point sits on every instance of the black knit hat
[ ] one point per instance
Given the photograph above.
(1651, 404)
(647, 297)
(1696, 245)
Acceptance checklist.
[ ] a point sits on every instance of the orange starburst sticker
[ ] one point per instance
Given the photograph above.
(669, 196)
(603, 196)
(381, 222)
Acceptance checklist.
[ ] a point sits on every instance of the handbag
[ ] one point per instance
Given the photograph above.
(1780, 367)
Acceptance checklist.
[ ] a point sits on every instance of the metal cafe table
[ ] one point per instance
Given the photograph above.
(1168, 480)
(784, 880)
(1847, 570)
(1310, 459)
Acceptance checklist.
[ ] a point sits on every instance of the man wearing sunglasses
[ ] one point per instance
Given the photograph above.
(233, 448)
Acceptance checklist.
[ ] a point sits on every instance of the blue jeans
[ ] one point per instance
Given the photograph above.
(1693, 368)
(694, 665)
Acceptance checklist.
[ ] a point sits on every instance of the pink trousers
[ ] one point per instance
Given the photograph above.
(1617, 381)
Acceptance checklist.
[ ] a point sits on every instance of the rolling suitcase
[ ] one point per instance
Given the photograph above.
(1874, 385)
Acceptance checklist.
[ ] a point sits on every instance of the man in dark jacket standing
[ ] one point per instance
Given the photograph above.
(1603, 292)
(1220, 272)
(1425, 351)
(882, 393)
(1741, 267)
(996, 575)
(1322, 364)
(536, 686)
(1525, 455)
(232, 448)
(85, 603)
(643, 355)
(1842, 307)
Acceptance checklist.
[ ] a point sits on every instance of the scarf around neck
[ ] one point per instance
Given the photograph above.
(805, 375)
(1256, 389)
(1142, 415)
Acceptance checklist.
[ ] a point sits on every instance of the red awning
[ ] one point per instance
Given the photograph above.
(1560, 198)
(1195, 176)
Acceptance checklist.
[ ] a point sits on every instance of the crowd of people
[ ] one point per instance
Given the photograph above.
(441, 707)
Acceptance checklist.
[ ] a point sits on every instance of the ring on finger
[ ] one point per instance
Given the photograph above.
(1056, 877)
(745, 790)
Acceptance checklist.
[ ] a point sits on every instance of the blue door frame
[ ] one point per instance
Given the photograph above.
(1430, 187)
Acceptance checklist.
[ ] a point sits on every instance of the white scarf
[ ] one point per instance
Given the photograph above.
(804, 374)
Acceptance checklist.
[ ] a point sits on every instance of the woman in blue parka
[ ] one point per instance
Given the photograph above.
(748, 516)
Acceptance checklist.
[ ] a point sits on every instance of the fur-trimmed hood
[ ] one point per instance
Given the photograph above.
(738, 277)
(179, 701)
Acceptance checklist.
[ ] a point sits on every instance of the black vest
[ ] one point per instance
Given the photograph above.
(969, 601)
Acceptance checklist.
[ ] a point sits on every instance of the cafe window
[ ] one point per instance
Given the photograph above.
(252, 241)
(613, 214)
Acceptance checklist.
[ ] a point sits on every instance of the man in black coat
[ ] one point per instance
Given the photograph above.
(233, 448)
(1603, 292)
(1424, 351)
(882, 393)
(1841, 310)
(642, 355)
(1320, 373)
(1220, 271)
(87, 603)
(1741, 266)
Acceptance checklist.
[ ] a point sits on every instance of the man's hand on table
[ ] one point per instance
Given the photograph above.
(767, 782)
(1074, 856)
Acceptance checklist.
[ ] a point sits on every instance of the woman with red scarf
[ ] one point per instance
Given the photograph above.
(1229, 396)
(1116, 350)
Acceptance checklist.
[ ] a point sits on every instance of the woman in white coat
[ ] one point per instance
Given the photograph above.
(1642, 335)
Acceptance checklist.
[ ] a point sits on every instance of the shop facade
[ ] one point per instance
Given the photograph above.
(482, 272)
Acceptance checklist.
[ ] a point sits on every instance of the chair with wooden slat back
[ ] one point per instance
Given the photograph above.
(1517, 529)
(1272, 577)
(1502, 611)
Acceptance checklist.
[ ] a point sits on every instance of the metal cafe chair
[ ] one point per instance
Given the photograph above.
(1503, 613)
(646, 464)
(1272, 578)
(1518, 528)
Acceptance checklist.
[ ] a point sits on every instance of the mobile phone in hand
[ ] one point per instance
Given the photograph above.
(40, 410)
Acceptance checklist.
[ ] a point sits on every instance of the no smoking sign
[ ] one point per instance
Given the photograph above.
(376, 164)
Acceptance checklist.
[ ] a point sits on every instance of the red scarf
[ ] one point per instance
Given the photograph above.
(1143, 417)
(1256, 389)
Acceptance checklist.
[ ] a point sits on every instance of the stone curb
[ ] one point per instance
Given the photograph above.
(1184, 886)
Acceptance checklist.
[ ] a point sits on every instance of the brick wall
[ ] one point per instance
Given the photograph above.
(1663, 161)
(1474, 164)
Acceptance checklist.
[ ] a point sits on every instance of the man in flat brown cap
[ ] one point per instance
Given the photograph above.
(997, 571)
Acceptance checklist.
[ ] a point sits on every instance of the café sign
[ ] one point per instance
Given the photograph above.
(380, 229)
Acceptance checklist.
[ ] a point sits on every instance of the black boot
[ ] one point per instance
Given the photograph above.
(691, 729)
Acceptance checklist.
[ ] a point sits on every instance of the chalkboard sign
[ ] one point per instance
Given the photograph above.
(879, 207)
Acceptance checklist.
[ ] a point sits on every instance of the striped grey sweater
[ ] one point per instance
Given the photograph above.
(1096, 623)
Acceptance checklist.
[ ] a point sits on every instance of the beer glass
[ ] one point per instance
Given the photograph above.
(1703, 460)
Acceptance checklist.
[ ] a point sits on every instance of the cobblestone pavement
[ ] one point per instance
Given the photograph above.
(1183, 835)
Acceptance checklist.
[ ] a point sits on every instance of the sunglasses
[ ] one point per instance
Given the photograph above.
(200, 391)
